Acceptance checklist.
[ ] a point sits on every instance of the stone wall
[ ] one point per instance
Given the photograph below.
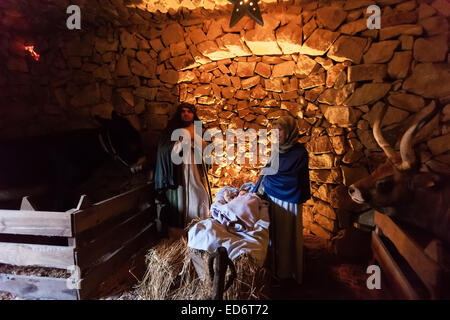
(316, 61)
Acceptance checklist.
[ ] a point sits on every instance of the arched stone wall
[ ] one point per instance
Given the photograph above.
(314, 60)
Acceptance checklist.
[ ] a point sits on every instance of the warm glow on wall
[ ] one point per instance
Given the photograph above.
(33, 53)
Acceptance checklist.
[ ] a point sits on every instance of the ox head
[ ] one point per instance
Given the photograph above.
(392, 184)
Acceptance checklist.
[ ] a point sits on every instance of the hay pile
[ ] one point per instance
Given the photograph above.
(171, 275)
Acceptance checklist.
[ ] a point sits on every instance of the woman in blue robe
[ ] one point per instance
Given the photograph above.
(287, 189)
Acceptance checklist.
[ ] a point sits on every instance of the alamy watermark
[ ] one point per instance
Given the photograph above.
(373, 21)
(374, 281)
(73, 22)
(257, 151)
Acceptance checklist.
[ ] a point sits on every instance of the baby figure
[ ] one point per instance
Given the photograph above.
(229, 195)
(237, 209)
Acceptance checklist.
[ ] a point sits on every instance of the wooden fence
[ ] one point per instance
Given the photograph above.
(97, 242)
(414, 263)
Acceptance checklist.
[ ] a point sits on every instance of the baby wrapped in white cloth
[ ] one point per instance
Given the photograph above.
(239, 222)
(237, 211)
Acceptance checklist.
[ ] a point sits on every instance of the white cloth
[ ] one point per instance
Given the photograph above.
(209, 234)
(196, 199)
(241, 213)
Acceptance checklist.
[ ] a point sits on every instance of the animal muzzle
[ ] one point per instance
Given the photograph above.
(138, 166)
(356, 194)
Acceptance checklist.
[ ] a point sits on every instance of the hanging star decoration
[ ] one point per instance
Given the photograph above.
(242, 7)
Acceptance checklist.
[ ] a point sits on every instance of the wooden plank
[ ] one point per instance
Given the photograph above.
(426, 269)
(40, 223)
(32, 287)
(21, 254)
(104, 210)
(113, 239)
(92, 234)
(392, 270)
(126, 276)
(91, 281)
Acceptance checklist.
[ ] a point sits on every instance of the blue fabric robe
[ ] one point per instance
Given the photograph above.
(291, 182)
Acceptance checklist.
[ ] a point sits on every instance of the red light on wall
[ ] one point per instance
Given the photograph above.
(33, 53)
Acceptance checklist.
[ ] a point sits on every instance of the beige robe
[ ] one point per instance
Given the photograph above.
(193, 198)
(196, 199)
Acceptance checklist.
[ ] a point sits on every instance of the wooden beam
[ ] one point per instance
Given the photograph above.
(91, 283)
(390, 268)
(112, 240)
(425, 268)
(21, 254)
(104, 210)
(31, 287)
(40, 223)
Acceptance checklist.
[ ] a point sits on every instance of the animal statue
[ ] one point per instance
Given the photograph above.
(398, 189)
(218, 271)
(55, 164)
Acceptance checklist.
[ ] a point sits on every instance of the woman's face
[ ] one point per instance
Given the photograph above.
(281, 134)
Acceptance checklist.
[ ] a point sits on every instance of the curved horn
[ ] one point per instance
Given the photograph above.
(387, 148)
(406, 144)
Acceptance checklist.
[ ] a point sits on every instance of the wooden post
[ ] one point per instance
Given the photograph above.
(83, 203)
(26, 204)
(217, 273)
